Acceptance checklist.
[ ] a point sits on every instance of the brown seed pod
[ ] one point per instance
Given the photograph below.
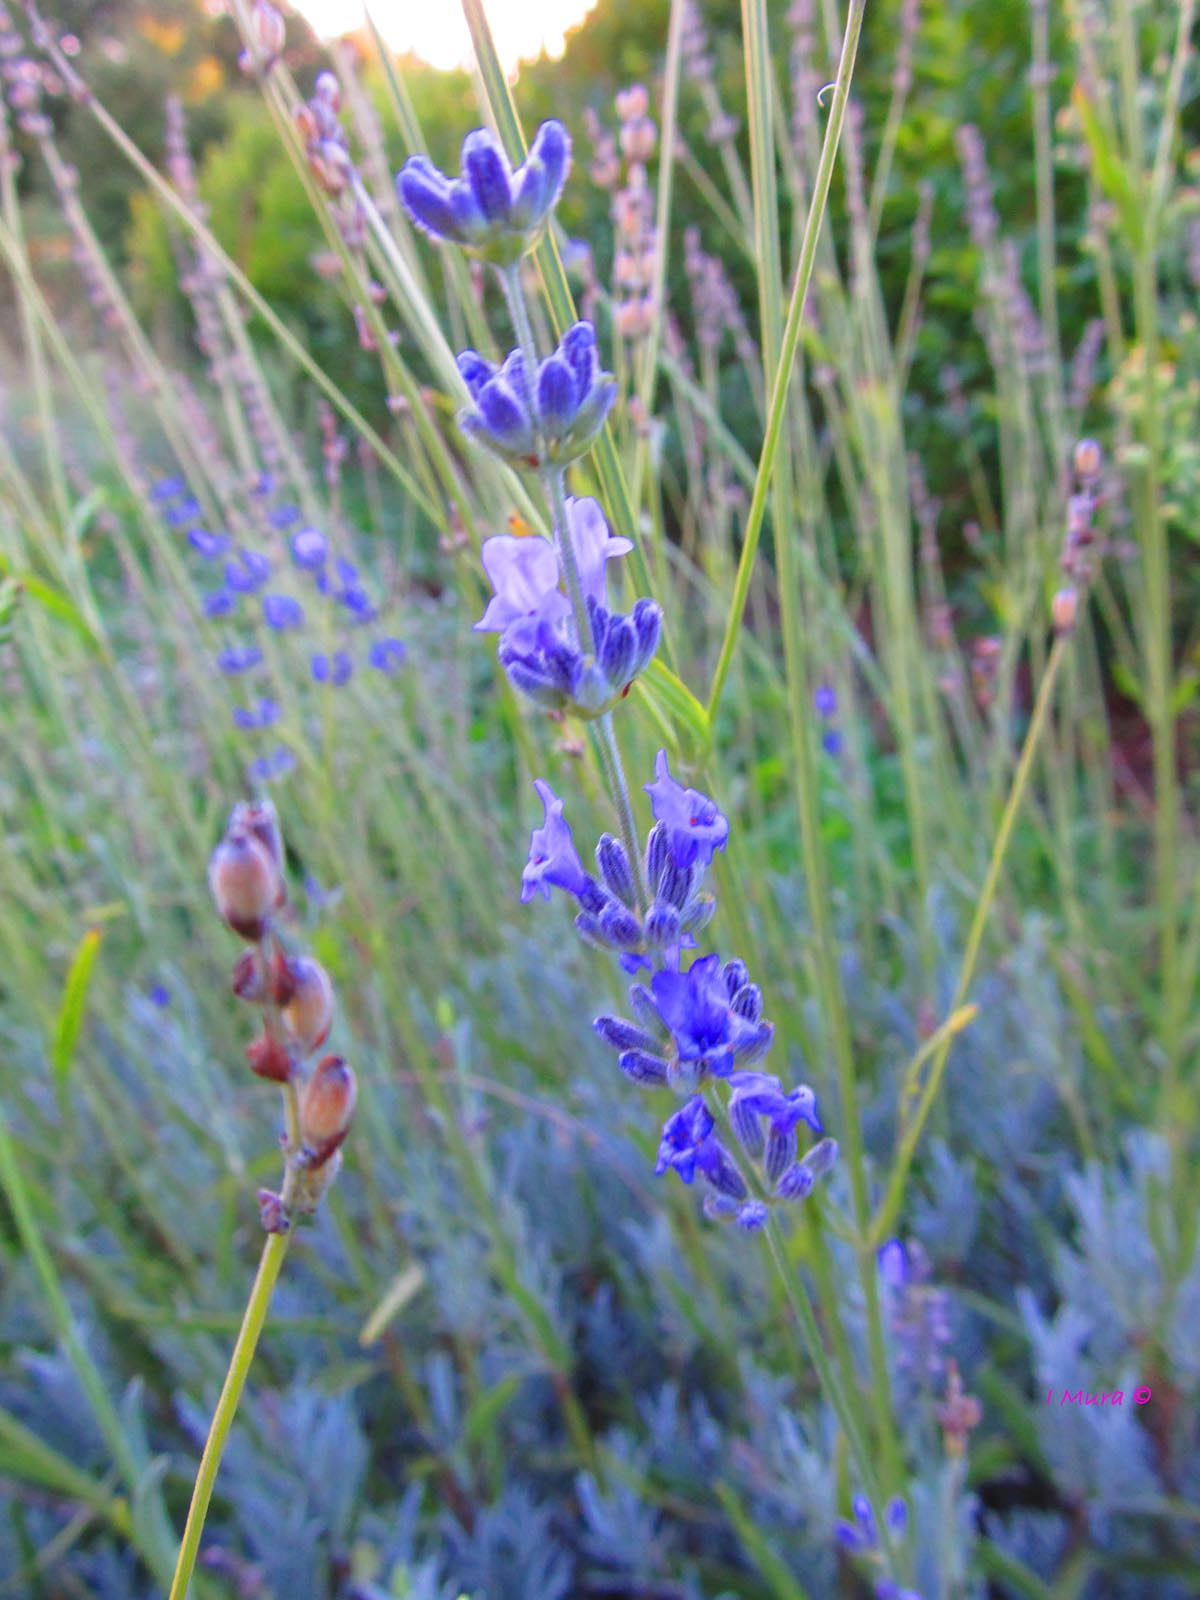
(245, 883)
(247, 977)
(326, 1107)
(308, 1013)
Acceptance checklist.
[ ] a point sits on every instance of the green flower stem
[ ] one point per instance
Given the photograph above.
(257, 1306)
(777, 410)
(890, 1205)
(518, 310)
(555, 482)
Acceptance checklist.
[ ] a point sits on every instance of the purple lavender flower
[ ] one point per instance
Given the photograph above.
(159, 996)
(528, 603)
(825, 700)
(595, 545)
(490, 210)
(689, 1146)
(167, 488)
(386, 655)
(239, 658)
(695, 827)
(336, 669)
(260, 716)
(831, 742)
(684, 1136)
(763, 1096)
(248, 573)
(552, 415)
(280, 611)
(209, 545)
(358, 603)
(183, 512)
(538, 647)
(553, 859)
(708, 1033)
(266, 768)
(220, 603)
(284, 516)
(309, 549)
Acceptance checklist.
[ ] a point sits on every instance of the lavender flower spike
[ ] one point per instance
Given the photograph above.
(695, 827)
(553, 859)
(548, 417)
(492, 211)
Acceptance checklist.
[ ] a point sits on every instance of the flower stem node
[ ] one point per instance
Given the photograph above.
(248, 978)
(269, 1058)
(272, 1212)
(491, 211)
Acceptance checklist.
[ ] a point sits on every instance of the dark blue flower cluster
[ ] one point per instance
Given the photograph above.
(490, 210)
(693, 1025)
(247, 573)
(539, 646)
(551, 417)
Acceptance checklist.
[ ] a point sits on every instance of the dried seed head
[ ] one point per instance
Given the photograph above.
(245, 883)
(633, 102)
(326, 1107)
(268, 1058)
(1064, 608)
(637, 139)
(1089, 458)
(308, 1014)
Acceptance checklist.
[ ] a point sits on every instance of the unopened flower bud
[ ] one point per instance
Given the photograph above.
(307, 1016)
(268, 1058)
(1064, 608)
(245, 884)
(1089, 458)
(326, 1107)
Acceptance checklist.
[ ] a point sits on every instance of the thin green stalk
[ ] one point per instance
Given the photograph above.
(274, 1251)
(909, 1139)
(777, 410)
